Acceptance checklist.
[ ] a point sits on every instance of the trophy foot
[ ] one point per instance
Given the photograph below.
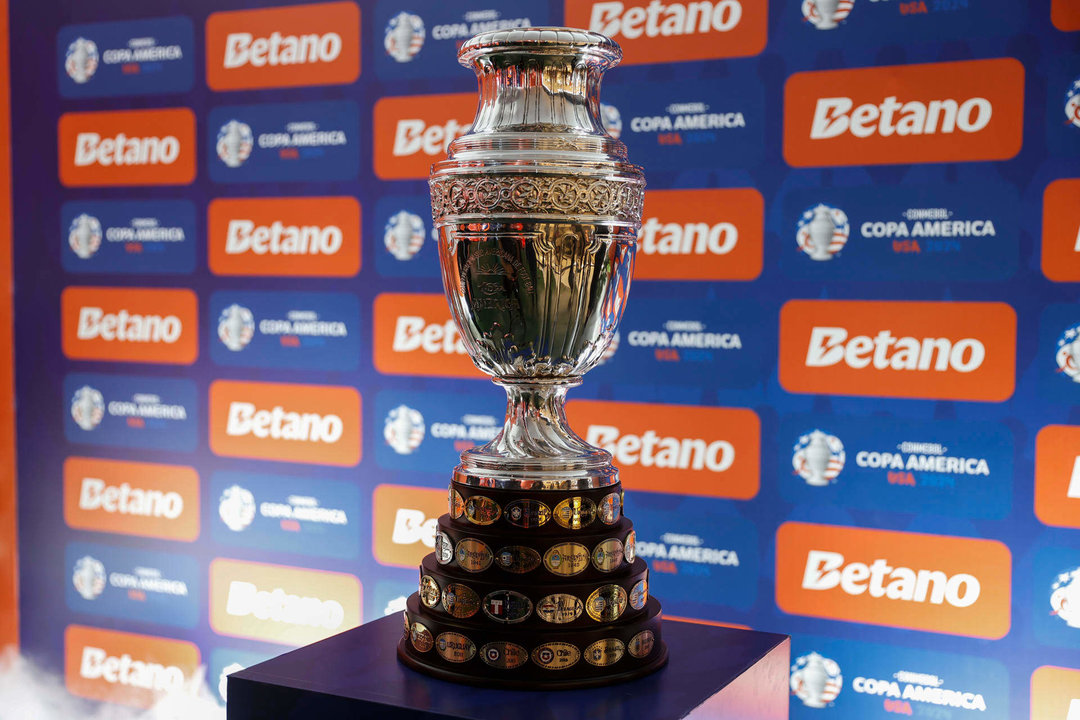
(534, 588)
(488, 661)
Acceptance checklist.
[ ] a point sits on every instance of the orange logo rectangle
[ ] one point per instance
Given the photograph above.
(404, 521)
(1065, 15)
(690, 450)
(415, 335)
(929, 113)
(1061, 230)
(654, 32)
(412, 132)
(936, 583)
(937, 350)
(283, 47)
(1055, 693)
(147, 325)
(701, 235)
(279, 604)
(318, 424)
(127, 147)
(126, 668)
(1057, 475)
(284, 236)
(131, 498)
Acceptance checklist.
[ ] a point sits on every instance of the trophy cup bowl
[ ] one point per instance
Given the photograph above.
(537, 211)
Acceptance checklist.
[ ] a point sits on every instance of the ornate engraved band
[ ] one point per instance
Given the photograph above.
(592, 557)
(612, 200)
(572, 511)
(533, 605)
(504, 649)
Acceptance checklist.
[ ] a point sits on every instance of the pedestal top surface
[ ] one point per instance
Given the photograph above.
(361, 664)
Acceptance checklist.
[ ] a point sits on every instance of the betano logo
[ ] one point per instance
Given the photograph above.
(126, 668)
(404, 523)
(413, 132)
(1057, 475)
(283, 47)
(415, 335)
(148, 325)
(709, 451)
(1055, 691)
(1061, 231)
(935, 112)
(651, 31)
(936, 583)
(317, 424)
(284, 236)
(131, 498)
(127, 147)
(937, 350)
(701, 235)
(279, 604)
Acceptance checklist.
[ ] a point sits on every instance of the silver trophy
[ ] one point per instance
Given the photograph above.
(826, 13)
(534, 581)
(821, 230)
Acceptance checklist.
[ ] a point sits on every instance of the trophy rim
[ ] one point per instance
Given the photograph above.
(545, 40)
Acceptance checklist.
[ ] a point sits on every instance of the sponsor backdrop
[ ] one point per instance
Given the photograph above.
(843, 397)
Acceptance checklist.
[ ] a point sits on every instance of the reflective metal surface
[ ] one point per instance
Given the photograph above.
(537, 211)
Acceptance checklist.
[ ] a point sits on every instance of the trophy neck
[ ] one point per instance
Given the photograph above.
(538, 85)
(528, 93)
(536, 425)
(536, 442)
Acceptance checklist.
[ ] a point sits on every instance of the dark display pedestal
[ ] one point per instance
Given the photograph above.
(712, 672)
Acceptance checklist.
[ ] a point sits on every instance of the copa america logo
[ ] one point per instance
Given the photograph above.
(236, 508)
(609, 115)
(826, 14)
(404, 36)
(89, 577)
(236, 327)
(1072, 103)
(1068, 353)
(81, 60)
(87, 407)
(84, 235)
(819, 458)
(234, 143)
(822, 232)
(404, 429)
(404, 235)
(1065, 597)
(816, 680)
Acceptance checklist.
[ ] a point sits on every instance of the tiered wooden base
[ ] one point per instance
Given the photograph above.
(536, 589)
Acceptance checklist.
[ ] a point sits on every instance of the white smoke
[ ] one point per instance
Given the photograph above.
(28, 692)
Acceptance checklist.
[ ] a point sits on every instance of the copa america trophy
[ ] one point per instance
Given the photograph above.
(534, 581)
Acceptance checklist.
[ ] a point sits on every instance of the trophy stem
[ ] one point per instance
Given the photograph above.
(536, 446)
(536, 425)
